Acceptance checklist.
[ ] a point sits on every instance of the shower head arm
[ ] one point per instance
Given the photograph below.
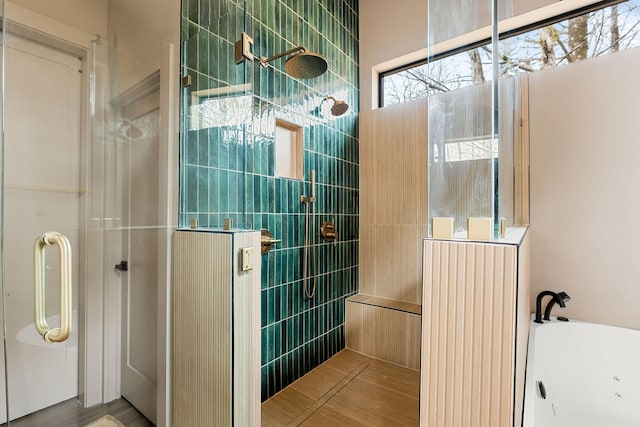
(264, 60)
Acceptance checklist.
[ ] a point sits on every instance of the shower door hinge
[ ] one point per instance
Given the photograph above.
(243, 48)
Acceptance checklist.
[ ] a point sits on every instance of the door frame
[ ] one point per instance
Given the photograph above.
(99, 337)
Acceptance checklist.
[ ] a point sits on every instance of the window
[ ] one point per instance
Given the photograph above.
(550, 44)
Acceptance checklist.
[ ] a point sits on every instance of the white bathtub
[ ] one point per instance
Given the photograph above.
(591, 374)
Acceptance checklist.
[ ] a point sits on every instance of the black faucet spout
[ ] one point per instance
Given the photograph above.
(539, 304)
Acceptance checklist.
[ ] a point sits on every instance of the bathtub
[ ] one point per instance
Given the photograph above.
(590, 374)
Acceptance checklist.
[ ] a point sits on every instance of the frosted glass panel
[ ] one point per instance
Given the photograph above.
(471, 129)
(462, 154)
(453, 18)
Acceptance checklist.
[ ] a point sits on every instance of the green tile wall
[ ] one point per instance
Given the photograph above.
(227, 161)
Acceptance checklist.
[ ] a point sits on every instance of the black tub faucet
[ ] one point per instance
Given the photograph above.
(556, 298)
(560, 298)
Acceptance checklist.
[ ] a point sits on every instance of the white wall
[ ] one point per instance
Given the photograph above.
(89, 16)
(585, 202)
(142, 28)
(388, 29)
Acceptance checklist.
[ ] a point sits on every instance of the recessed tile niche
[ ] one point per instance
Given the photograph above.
(288, 150)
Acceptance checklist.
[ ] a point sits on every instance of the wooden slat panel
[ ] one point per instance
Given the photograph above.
(353, 327)
(522, 326)
(468, 330)
(246, 333)
(201, 333)
(393, 200)
(367, 168)
(386, 334)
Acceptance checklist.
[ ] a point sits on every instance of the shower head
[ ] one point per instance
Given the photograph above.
(302, 65)
(339, 107)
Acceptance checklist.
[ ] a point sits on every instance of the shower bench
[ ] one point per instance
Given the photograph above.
(384, 329)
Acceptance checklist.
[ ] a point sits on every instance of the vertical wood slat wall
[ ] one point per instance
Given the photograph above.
(201, 333)
(383, 333)
(393, 200)
(468, 357)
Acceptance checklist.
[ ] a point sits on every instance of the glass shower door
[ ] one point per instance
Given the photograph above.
(87, 152)
(42, 195)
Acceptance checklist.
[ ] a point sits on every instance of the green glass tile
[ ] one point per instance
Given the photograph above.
(248, 195)
(223, 190)
(277, 340)
(191, 142)
(271, 269)
(289, 300)
(203, 52)
(190, 191)
(271, 192)
(264, 345)
(203, 147)
(203, 189)
(191, 47)
(264, 195)
(214, 193)
(214, 49)
(264, 394)
(226, 65)
(263, 308)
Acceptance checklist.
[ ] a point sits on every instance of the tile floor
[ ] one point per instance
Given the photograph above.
(348, 390)
(71, 413)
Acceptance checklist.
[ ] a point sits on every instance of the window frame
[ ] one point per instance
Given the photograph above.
(487, 40)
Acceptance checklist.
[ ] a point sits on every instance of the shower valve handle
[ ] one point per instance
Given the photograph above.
(267, 241)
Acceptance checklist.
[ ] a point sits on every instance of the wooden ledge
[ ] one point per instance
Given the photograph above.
(388, 303)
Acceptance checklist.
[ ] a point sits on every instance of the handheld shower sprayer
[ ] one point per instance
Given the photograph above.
(309, 242)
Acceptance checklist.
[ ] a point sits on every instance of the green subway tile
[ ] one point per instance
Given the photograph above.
(270, 306)
(203, 189)
(214, 193)
(271, 269)
(190, 192)
(214, 49)
(248, 194)
(264, 341)
(277, 340)
(203, 52)
(191, 147)
(271, 382)
(264, 394)
(263, 308)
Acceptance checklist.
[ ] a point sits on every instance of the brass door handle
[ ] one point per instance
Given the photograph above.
(62, 333)
(267, 241)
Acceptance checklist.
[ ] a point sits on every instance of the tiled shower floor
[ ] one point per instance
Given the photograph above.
(347, 390)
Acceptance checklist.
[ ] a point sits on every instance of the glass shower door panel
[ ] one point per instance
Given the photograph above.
(42, 192)
(217, 115)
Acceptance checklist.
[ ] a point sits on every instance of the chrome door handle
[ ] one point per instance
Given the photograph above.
(62, 333)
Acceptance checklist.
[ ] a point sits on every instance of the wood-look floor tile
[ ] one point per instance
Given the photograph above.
(317, 382)
(284, 407)
(395, 378)
(327, 417)
(71, 413)
(350, 389)
(346, 361)
(375, 405)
